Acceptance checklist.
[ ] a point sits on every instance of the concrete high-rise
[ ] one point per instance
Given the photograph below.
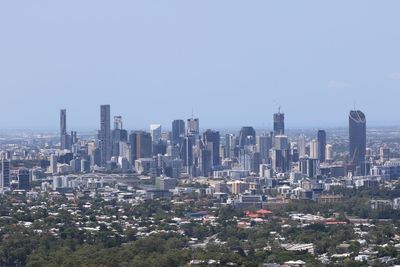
(321, 137)
(105, 134)
(279, 123)
(178, 131)
(357, 140)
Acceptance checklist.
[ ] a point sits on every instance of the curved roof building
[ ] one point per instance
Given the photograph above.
(358, 139)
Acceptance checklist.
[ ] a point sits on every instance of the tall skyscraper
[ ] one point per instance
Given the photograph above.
(230, 145)
(301, 146)
(358, 140)
(193, 126)
(64, 137)
(63, 121)
(118, 123)
(280, 154)
(119, 136)
(279, 123)
(155, 131)
(73, 138)
(384, 153)
(205, 160)
(212, 140)
(264, 144)
(141, 145)
(247, 136)
(53, 163)
(328, 152)
(281, 142)
(186, 152)
(321, 137)
(314, 149)
(178, 131)
(24, 181)
(105, 134)
(5, 173)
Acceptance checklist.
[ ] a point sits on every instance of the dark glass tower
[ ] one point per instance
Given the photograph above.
(105, 134)
(178, 131)
(358, 140)
(321, 137)
(212, 139)
(279, 123)
(65, 139)
(141, 145)
(118, 135)
(186, 152)
(247, 136)
(24, 182)
(63, 121)
(5, 173)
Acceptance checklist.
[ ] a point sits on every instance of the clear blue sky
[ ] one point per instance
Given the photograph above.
(231, 61)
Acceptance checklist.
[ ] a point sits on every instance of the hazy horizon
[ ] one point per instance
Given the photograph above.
(266, 129)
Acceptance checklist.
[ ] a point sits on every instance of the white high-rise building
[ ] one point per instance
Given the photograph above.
(301, 146)
(314, 149)
(155, 131)
(118, 123)
(328, 152)
(125, 151)
(193, 126)
(53, 163)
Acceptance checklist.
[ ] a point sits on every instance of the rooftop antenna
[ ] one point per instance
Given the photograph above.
(192, 114)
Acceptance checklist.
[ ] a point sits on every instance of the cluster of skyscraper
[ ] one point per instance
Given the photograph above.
(22, 175)
(185, 149)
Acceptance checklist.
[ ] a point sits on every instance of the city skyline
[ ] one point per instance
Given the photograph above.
(199, 133)
(277, 127)
(268, 125)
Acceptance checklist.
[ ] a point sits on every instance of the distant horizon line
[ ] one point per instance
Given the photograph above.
(263, 128)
